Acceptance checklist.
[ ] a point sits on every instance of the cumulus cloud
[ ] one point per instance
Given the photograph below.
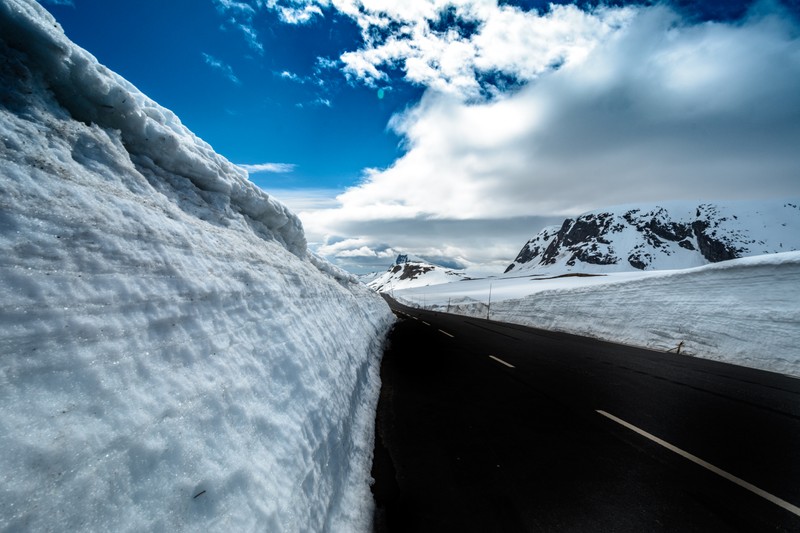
(468, 48)
(651, 109)
(222, 67)
(538, 115)
(658, 111)
(473, 50)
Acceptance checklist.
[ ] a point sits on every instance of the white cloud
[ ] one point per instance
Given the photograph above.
(240, 16)
(660, 110)
(251, 36)
(307, 199)
(493, 41)
(238, 7)
(611, 105)
(299, 15)
(481, 245)
(654, 110)
(291, 76)
(224, 68)
(279, 168)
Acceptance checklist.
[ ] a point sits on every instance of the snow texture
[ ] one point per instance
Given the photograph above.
(408, 272)
(173, 359)
(742, 311)
(662, 237)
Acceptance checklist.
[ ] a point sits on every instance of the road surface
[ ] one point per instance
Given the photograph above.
(484, 426)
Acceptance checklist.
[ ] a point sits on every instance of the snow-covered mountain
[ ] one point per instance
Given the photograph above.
(659, 237)
(407, 272)
(367, 278)
(173, 358)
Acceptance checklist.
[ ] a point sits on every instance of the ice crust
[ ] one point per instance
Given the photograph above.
(173, 359)
(743, 311)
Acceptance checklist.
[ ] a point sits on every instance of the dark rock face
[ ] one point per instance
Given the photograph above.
(533, 248)
(413, 270)
(712, 249)
(649, 236)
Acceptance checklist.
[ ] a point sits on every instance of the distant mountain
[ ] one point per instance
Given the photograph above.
(367, 278)
(660, 237)
(407, 272)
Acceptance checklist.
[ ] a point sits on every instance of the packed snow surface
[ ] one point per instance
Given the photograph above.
(743, 311)
(173, 359)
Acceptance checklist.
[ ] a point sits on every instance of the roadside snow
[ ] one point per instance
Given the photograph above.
(173, 359)
(745, 311)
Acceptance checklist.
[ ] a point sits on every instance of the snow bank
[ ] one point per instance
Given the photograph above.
(172, 357)
(153, 135)
(743, 311)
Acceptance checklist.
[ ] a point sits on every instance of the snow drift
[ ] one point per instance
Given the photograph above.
(173, 358)
(742, 311)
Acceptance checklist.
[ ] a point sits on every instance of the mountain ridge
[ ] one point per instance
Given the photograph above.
(662, 236)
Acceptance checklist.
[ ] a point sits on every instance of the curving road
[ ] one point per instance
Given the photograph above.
(485, 426)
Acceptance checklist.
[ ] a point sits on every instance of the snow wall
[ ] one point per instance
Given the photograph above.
(744, 311)
(173, 359)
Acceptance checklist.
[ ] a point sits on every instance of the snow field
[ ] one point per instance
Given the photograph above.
(743, 311)
(173, 359)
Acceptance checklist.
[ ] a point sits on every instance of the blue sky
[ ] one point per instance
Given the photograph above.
(254, 106)
(455, 129)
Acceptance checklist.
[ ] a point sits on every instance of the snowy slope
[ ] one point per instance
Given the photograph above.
(408, 272)
(658, 237)
(743, 311)
(173, 359)
(371, 276)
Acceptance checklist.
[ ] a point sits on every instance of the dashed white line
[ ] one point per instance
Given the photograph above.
(449, 335)
(425, 323)
(730, 477)
(501, 361)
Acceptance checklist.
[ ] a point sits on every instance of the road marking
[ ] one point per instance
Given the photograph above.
(501, 361)
(451, 336)
(425, 323)
(730, 477)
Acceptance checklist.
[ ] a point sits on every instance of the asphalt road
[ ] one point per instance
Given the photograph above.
(484, 426)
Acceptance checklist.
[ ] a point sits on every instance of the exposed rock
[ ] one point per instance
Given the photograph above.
(407, 272)
(662, 236)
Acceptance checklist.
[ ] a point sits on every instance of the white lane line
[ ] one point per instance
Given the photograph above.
(425, 323)
(730, 477)
(501, 361)
(443, 331)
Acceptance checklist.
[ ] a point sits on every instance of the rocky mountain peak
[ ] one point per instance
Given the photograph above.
(662, 237)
